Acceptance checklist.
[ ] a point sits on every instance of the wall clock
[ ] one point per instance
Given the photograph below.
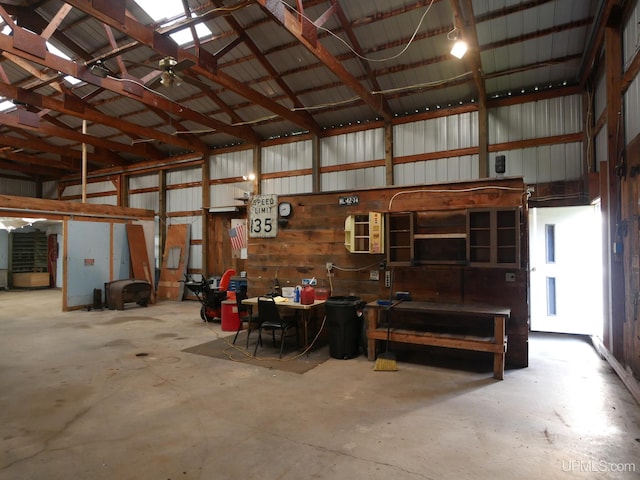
(284, 209)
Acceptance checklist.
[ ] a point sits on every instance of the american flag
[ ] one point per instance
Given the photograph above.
(238, 236)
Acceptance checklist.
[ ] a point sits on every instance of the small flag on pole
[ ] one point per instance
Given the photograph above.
(238, 236)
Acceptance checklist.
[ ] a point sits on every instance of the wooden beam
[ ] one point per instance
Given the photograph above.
(305, 34)
(50, 130)
(119, 86)
(16, 206)
(77, 107)
(166, 46)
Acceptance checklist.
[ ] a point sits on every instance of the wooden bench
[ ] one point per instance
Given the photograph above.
(496, 344)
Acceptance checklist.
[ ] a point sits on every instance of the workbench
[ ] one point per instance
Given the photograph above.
(496, 344)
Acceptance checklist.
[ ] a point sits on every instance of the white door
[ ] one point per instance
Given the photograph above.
(566, 269)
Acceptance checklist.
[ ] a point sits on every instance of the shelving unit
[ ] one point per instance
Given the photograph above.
(363, 233)
(400, 238)
(494, 237)
(28, 259)
(476, 237)
(427, 238)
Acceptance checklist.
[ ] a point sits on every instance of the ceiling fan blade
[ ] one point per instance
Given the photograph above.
(183, 65)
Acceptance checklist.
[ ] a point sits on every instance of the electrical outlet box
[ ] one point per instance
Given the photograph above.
(387, 279)
(374, 275)
(329, 266)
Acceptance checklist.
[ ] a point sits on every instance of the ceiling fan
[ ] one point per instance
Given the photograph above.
(169, 69)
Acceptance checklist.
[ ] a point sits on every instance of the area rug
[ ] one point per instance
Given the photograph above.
(292, 360)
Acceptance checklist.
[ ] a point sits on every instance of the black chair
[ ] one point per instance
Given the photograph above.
(269, 318)
(245, 313)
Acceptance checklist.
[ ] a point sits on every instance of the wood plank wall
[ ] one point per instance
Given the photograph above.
(314, 236)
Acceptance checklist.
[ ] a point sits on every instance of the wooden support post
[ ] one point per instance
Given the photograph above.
(499, 329)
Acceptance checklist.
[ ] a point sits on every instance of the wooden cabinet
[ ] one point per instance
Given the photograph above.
(364, 233)
(416, 238)
(399, 238)
(477, 237)
(494, 237)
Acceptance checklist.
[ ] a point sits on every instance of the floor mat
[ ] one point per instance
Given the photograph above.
(292, 360)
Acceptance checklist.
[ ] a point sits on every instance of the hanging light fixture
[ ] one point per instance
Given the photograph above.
(459, 49)
(459, 46)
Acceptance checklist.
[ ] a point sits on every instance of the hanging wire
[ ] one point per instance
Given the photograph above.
(393, 57)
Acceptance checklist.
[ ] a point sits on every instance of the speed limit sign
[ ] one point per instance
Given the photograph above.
(263, 216)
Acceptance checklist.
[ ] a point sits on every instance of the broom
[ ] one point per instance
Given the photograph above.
(386, 361)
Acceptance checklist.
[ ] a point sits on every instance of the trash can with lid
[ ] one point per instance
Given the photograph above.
(344, 325)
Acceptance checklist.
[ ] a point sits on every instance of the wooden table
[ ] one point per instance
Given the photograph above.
(305, 311)
(496, 344)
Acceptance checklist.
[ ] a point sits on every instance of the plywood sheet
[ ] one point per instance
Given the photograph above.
(139, 257)
(174, 262)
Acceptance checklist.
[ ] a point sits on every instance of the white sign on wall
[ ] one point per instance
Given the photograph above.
(263, 216)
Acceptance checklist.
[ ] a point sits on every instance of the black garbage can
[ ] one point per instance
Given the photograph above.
(344, 325)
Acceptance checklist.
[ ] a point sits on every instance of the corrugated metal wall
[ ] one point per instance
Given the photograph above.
(148, 200)
(287, 157)
(544, 118)
(11, 186)
(228, 166)
(437, 171)
(436, 135)
(182, 198)
(348, 149)
(631, 36)
(50, 190)
(600, 98)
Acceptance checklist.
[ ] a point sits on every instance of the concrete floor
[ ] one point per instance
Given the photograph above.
(77, 403)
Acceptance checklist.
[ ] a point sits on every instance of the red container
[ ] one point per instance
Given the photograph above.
(230, 321)
(322, 293)
(307, 295)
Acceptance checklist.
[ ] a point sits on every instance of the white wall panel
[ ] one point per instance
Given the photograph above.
(631, 36)
(195, 257)
(225, 194)
(442, 170)
(175, 177)
(600, 97)
(50, 190)
(147, 200)
(631, 110)
(287, 185)
(144, 181)
(544, 118)
(354, 147)
(184, 199)
(601, 147)
(353, 179)
(231, 164)
(21, 188)
(546, 163)
(287, 156)
(435, 135)
(104, 200)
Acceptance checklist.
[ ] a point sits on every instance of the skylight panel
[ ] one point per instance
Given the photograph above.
(61, 54)
(6, 105)
(167, 13)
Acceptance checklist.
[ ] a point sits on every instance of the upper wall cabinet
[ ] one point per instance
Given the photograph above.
(475, 237)
(494, 237)
(364, 233)
(416, 238)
